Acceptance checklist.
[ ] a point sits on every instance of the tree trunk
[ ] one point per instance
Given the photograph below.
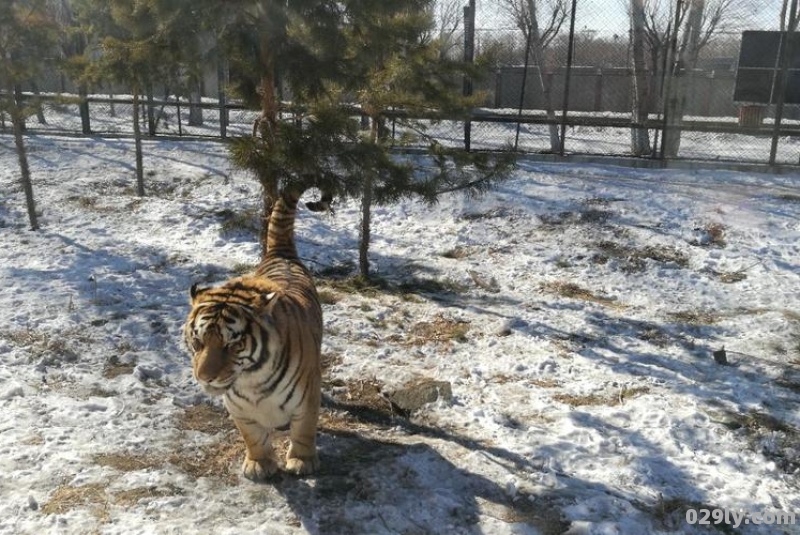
(547, 91)
(366, 209)
(22, 155)
(39, 110)
(687, 61)
(195, 98)
(640, 137)
(784, 6)
(366, 223)
(137, 137)
(265, 128)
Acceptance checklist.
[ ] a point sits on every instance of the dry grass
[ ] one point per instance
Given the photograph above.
(545, 383)
(544, 517)
(339, 421)
(376, 286)
(611, 400)
(730, 277)
(131, 497)
(671, 514)
(573, 291)
(245, 222)
(362, 401)
(588, 216)
(33, 440)
(489, 214)
(66, 498)
(328, 296)
(456, 253)
(90, 204)
(439, 330)
(40, 344)
(760, 428)
(329, 360)
(655, 336)
(204, 418)
(114, 368)
(635, 257)
(219, 460)
(366, 392)
(431, 286)
(715, 233)
(353, 285)
(128, 462)
(694, 317)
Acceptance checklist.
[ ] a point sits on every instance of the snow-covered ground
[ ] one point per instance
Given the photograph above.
(574, 312)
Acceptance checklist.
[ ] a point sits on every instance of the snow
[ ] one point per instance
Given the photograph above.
(585, 395)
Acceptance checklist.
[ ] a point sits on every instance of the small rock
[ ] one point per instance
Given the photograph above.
(417, 394)
(143, 373)
(33, 505)
(720, 356)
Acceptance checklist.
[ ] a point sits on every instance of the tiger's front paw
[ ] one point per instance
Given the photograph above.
(258, 470)
(302, 467)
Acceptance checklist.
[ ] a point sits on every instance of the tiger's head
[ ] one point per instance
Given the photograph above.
(228, 335)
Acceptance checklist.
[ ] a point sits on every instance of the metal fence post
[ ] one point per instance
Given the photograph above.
(469, 57)
(568, 76)
(787, 47)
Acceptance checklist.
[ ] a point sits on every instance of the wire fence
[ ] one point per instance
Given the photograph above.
(641, 78)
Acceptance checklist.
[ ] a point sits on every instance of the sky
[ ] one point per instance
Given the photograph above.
(609, 17)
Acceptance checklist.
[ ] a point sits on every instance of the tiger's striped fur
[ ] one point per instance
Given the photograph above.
(256, 341)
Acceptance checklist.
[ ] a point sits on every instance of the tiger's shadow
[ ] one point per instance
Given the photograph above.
(380, 473)
(370, 485)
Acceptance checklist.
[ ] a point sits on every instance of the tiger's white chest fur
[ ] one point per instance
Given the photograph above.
(246, 399)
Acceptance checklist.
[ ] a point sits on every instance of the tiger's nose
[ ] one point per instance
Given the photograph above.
(208, 366)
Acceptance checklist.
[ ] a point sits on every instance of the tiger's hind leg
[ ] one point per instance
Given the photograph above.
(259, 462)
(302, 459)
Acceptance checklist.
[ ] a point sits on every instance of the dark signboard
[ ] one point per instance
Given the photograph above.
(759, 77)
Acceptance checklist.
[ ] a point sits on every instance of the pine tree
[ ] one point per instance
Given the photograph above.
(377, 58)
(272, 45)
(139, 42)
(28, 36)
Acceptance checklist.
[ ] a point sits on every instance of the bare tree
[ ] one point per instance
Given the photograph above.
(668, 36)
(540, 22)
(642, 90)
(448, 15)
(696, 27)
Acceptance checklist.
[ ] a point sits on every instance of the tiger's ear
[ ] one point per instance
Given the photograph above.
(195, 291)
(265, 301)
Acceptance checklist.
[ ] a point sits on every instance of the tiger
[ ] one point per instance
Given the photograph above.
(256, 341)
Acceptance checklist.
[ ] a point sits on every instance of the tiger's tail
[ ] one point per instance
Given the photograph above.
(280, 236)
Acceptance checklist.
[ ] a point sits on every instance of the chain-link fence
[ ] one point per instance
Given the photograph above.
(644, 78)
(103, 116)
(628, 77)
